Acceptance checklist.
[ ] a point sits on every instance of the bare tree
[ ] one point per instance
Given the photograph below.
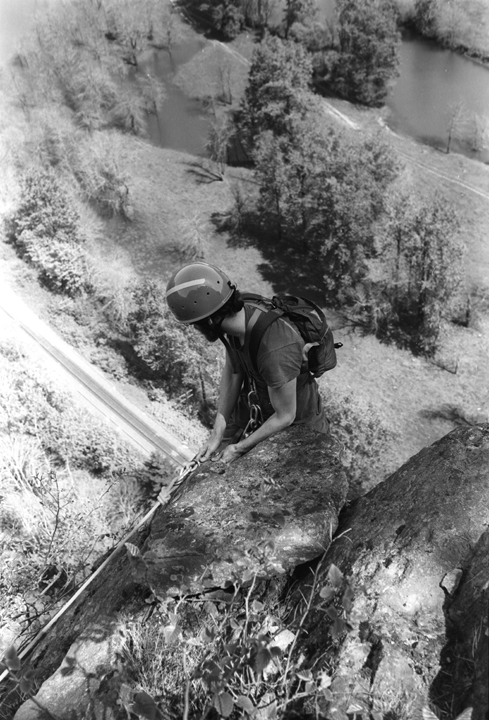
(456, 121)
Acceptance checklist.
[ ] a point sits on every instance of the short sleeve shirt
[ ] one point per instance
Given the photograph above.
(279, 360)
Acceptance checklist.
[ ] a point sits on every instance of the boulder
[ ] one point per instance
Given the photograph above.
(463, 679)
(282, 498)
(405, 549)
(77, 683)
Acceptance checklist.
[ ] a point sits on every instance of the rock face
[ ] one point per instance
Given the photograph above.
(285, 494)
(419, 581)
(464, 674)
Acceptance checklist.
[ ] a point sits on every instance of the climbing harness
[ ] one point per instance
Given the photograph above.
(171, 494)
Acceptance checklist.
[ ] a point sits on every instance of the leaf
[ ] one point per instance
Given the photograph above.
(245, 704)
(144, 706)
(11, 659)
(279, 519)
(325, 680)
(305, 675)
(354, 709)
(428, 714)
(67, 670)
(332, 613)
(208, 634)
(335, 576)
(466, 714)
(25, 686)
(263, 658)
(327, 592)
(338, 628)
(170, 633)
(257, 606)
(224, 704)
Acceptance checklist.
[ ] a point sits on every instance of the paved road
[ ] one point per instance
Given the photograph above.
(138, 428)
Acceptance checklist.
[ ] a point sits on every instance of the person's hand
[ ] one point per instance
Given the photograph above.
(230, 453)
(209, 447)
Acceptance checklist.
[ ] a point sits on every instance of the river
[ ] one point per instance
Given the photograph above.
(435, 86)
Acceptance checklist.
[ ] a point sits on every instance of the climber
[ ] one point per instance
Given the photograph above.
(281, 391)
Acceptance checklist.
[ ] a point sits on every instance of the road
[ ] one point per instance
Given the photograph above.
(142, 431)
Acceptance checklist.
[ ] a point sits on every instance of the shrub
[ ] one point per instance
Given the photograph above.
(419, 284)
(365, 436)
(44, 210)
(185, 364)
(46, 231)
(62, 267)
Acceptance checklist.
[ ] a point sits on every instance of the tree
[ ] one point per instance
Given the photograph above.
(279, 71)
(218, 139)
(364, 60)
(321, 196)
(421, 277)
(457, 118)
(298, 11)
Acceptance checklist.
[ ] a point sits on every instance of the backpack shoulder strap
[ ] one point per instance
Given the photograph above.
(264, 320)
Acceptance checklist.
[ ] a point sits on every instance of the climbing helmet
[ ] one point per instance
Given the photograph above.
(197, 291)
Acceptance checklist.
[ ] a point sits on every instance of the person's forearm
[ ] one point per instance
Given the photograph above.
(229, 390)
(272, 425)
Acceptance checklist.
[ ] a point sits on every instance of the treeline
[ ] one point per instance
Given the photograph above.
(460, 25)
(354, 54)
(332, 210)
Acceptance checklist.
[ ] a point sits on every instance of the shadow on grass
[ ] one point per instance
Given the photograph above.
(204, 175)
(290, 266)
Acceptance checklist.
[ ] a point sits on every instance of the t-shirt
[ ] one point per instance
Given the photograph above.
(279, 360)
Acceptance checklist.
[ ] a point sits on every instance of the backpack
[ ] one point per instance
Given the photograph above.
(307, 318)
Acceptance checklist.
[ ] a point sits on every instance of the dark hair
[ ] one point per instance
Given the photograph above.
(231, 306)
(210, 326)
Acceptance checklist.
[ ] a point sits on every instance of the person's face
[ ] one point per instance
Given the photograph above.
(210, 327)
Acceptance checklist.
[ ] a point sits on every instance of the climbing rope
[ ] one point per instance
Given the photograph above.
(164, 499)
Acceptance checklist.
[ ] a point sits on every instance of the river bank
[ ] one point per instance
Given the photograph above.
(461, 25)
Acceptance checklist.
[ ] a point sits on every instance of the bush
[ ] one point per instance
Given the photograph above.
(186, 365)
(44, 210)
(32, 406)
(418, 284)
(46, 231)
(365, 437)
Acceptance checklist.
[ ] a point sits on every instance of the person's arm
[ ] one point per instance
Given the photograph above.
(229, 389)
(284, 402)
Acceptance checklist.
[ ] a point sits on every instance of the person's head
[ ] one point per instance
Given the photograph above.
(200, 294)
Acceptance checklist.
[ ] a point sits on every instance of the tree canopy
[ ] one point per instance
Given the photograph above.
(364, 58)
(279, 71)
